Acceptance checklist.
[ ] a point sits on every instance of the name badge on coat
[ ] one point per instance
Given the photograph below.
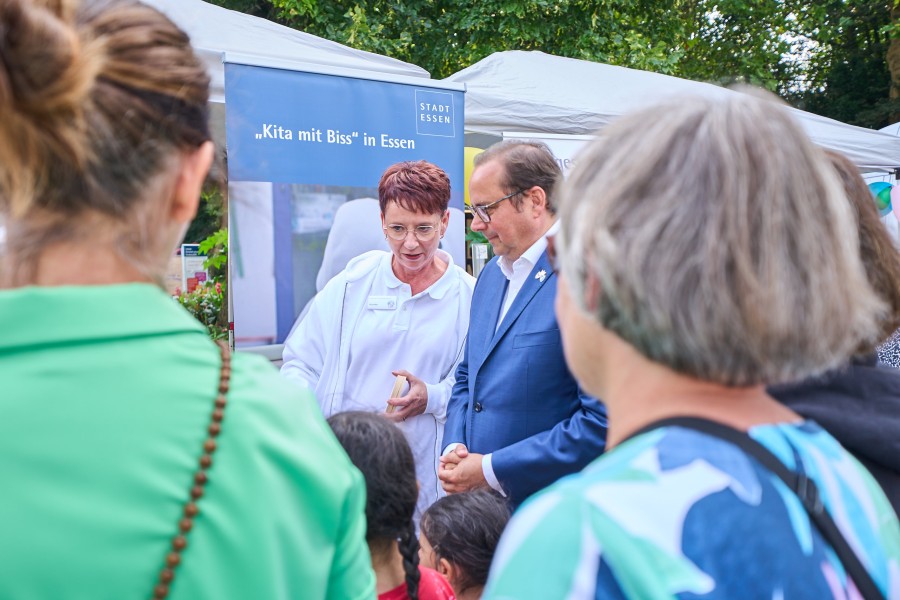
(381, 303)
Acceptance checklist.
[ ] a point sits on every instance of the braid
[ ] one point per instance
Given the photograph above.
(391, 489)
(409, 550)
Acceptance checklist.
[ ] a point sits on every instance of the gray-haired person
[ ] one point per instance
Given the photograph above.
(706, 250)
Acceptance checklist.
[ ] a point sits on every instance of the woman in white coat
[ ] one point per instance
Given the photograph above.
(403, 312)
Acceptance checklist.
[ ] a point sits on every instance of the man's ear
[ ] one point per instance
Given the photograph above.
(537, 198)
(192, 172)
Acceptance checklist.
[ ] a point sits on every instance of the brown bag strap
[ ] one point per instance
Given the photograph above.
(179, 542)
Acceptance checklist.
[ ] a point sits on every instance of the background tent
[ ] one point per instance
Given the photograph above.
(215, 31)
(534, 92)
(893, 129)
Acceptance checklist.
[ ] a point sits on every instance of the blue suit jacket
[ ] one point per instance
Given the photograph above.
(514, 395)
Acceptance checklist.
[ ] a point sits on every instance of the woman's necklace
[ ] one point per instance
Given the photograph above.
(179, 542)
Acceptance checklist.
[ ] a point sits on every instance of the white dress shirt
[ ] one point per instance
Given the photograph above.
(517, 273)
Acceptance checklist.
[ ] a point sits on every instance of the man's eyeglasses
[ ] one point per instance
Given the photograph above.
(482, 209)
(398, 233)
(552, 257)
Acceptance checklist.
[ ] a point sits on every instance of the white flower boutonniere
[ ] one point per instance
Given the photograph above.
(541, 275)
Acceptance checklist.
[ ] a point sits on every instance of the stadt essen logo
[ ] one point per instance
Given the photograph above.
(434, 113)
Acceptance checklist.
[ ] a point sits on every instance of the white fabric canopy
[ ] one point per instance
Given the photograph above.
(540, 93)
(215, 30)
(893, 129)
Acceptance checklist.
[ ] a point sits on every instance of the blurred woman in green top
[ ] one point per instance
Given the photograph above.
(137, 460)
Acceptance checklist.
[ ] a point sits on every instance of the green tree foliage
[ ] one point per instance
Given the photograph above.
(210, 216)
(746, 41)
(848, 79)
(826, 56)
(445, 36)
(257, 8)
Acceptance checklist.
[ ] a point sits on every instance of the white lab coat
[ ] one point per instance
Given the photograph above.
(317, 355)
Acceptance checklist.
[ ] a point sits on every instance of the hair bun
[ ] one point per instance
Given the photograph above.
(44, 68)
(46, 76)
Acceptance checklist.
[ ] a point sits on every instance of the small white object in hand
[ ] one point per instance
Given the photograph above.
(541, 275)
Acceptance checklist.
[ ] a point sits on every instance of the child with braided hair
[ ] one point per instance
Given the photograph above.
(380, 451)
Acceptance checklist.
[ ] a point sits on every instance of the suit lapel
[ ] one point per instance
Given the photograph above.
(489, 305)
(531, 286)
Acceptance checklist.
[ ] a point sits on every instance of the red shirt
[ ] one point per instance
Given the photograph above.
(432, 586)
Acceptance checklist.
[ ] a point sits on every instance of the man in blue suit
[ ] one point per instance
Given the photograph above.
(516, 420)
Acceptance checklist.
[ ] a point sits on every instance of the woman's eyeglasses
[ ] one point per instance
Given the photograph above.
(398, 233)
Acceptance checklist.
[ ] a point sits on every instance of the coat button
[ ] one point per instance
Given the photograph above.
(478, 407)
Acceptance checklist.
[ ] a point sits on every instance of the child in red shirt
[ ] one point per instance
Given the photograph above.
(380, 451)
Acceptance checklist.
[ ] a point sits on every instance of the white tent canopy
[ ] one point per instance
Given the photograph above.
(539, 93)
(215, 31)
(893, 129)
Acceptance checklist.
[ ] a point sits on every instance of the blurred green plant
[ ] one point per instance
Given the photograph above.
(208, 301)
(475, 237)
(215, 247)
(210, 215)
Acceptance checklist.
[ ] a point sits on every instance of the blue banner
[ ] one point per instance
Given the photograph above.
(295, 127)
(305, 154)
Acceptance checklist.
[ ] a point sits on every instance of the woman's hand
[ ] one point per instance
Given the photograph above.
(413, 403)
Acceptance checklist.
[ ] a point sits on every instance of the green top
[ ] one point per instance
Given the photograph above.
(105, 396)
